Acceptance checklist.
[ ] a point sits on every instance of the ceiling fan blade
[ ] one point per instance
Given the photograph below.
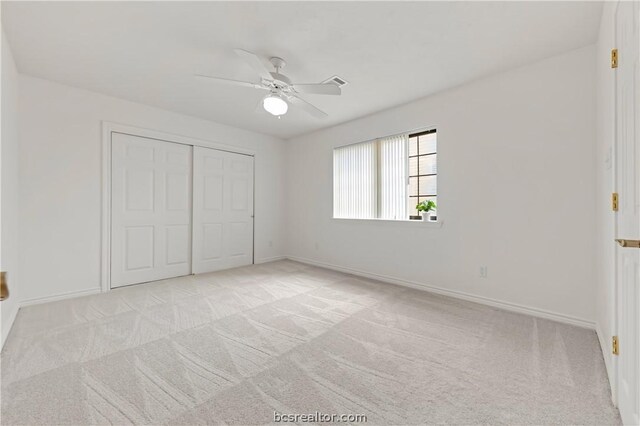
(259, 108)
(232, 82)
(306, 106)
(318, 89)
(254, 61)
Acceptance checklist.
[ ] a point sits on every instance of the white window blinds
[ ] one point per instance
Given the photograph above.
(392, 182)
(370, 179)
(354, 181)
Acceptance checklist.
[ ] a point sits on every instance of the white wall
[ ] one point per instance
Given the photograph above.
(9, 189)
(60, 181)
(605, 245)
(516, 191)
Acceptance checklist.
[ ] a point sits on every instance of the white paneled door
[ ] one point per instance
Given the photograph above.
(628, 215)
(222, 210)
(150, 209)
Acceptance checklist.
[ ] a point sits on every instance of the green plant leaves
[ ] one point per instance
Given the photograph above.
(426, 206)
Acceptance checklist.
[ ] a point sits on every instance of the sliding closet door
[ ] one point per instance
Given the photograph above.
(150, 210)
(222, 210)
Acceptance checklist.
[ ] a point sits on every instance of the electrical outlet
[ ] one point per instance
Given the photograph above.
(483, 272)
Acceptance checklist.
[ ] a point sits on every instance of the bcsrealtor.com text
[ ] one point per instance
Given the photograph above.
(318, 417)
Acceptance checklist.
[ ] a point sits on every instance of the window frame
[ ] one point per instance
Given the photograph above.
(418, 176)
(429, 224)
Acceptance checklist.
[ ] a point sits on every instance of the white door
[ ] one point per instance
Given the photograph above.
(150, 210)
(222, 210)
(628, 216)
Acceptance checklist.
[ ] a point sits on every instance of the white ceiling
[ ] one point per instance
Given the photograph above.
(389, 52)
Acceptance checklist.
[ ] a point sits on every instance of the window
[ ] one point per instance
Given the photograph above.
(423, 169)
(385, 178)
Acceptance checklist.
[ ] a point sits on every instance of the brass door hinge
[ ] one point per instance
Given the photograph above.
(614, 201)
(4, 288)
(614, 58)
(615, 347)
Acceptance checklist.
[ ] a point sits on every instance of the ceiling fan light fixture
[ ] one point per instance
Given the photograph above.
(275, 105)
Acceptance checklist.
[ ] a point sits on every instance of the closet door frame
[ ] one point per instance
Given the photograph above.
(108, 128)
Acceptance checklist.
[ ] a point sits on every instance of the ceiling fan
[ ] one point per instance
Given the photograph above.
(282, 91)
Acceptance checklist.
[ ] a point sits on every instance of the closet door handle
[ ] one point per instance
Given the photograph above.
(629, 243)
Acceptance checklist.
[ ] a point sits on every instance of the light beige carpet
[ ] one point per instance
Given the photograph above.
(235, 346)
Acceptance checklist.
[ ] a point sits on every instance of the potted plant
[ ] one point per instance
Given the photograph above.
(425, 208)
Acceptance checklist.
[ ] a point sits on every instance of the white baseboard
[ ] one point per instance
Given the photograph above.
(605, 346)
(509, 306)
(71, 294)
(12, 319)
(60, 296)
(269, 259)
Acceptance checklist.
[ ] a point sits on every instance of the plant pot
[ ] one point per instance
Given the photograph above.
(425, 216)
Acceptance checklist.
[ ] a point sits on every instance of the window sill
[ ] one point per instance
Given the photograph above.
(403, 222)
